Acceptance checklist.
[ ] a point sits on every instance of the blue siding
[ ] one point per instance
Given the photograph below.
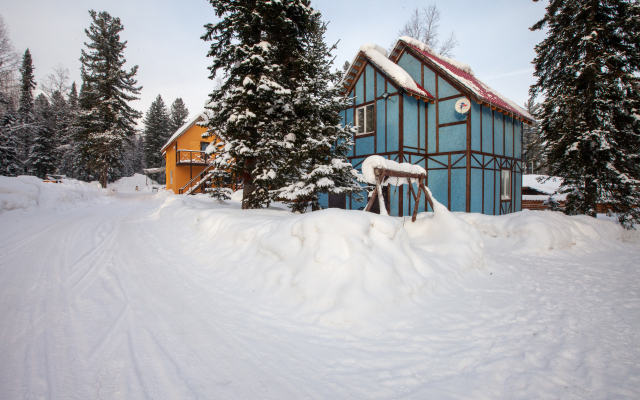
(438, 182)
(393, 117)
(447, 112)
(476, 109)
(476, 190)
(487, 130)
(348, 121)
(518, 192)
(359, 91)
(370, 90)
(323, 200)
(453, 138)
(459, 190)
(474, 161)
(434, 164)
(413, 67)
(508, 137)
(421, 128)
(410, 121)
(445, 90)
(431, 134)
(498, 134)
(380, 126)
(518, 139)
(429, 81)
(380, 85)
(489, 192)
(497, 192)
(364, 146)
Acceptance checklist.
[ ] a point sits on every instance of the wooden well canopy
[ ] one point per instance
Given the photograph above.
(382, 175)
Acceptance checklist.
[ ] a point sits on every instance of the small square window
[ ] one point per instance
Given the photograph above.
(505, 184)
(366, 119)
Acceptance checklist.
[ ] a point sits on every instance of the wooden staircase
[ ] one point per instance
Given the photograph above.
(191, 188)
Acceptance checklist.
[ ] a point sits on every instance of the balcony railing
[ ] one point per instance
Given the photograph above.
(191, 157)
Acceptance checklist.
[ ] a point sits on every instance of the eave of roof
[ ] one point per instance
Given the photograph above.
(485, 95)
(190, 123)
(358, 64)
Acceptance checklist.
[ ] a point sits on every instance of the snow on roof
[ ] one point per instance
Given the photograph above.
(204, 114)
(464, 75)
(547, 187)
(378, 56)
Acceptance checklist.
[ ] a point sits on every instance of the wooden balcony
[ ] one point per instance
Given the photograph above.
(191, 157)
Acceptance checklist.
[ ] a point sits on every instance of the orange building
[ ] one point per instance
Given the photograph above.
(186, 161)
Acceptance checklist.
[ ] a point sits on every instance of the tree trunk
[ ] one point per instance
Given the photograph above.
(103, 177)
(248, 187)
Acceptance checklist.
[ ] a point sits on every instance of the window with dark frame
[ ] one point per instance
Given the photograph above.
(505, 184)
(203, 146)
(366, 119)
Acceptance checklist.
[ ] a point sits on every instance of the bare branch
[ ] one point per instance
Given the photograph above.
(58, 81)
(424, 26)
(430, 23)
(446, 47)
(413, 27)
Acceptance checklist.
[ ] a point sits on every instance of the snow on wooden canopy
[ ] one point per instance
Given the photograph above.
(372, 162)
(378, 57)
(380, 172)
(463, 74)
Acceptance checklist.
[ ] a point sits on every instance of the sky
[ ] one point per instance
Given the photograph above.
(164, 38)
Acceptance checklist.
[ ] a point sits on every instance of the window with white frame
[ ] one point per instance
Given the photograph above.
(505, 184)
(366, 119)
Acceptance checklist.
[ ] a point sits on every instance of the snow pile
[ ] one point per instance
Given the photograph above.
(378, 55)
(547, 187)
(426, 48)
(129, 183)
(334, 267)
(529, 231)
(24, 192)
(372, 162)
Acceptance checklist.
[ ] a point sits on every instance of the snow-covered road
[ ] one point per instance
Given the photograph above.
(106, 302)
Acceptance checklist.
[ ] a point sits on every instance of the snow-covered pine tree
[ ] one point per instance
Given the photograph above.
(25, 123)
(178, 115)
(68, 151)
(42, 155)
(259, 45)
(105, 121)
(9, 160)
(532, 143)
(157, 130)
(319, 163)
(588, 71)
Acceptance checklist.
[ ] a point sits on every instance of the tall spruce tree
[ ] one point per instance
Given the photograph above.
(588, 70)
(533, 156)
(68, 151)
(156, 133)
(178, 115)
(319, 163)
(105, 122)
(263, 48)
(42, 155)
(25, 123)
(260, 46)
(9, 159)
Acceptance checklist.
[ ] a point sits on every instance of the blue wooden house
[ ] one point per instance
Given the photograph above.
(404, 108)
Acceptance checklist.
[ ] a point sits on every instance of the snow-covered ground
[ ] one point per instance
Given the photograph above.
(144, 295)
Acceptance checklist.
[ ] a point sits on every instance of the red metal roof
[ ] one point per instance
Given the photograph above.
(480, 89)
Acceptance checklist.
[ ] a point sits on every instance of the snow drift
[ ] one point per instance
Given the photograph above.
(333, 266)
(25, 192)
(540, 231)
